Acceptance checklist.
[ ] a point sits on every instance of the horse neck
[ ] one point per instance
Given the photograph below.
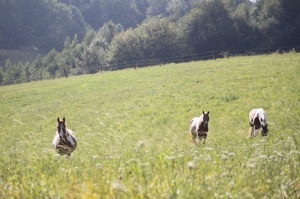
(202, 119)
(65, 132)
(201, 123)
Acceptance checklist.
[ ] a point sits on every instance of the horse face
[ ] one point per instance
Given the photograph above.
(205, 118)
(61, 129)
(265, 130)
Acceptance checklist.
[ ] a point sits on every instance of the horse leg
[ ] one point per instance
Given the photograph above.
(251, 132)
(194, 137)
(264, 131)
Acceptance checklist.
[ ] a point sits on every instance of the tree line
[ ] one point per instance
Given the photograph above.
(81, 37)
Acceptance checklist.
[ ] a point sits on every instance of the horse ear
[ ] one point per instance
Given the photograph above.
(207, 112)
(58, 119)
(203, 112)
(64, 119)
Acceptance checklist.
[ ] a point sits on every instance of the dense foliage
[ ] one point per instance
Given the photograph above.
(78, 37)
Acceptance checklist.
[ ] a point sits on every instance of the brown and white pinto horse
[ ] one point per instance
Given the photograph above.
(64, 141)
(258, 119)
(199, 127)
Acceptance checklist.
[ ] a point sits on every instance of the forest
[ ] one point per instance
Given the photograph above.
(74, 37)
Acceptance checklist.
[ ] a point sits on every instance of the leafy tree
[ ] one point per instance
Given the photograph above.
(178, 8)
(109, 30)
(1, 77)
(36, 69)
(157, 8)
(209, 27)
(10, 71)
(51, 63)
(159, 38)
(247, 33)
(41, 24)
(279, 21)
(67, 43)
(98, 12)
(13, 74)
(154, 39)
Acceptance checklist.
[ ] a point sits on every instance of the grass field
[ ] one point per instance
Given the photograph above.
(132, 128)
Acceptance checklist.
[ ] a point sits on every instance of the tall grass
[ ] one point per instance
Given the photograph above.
(132, 128)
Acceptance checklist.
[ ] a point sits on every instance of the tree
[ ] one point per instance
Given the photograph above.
(209, 27)
(157, 8)
(279, 22)
(51, 63)
(36, 69)
(156, 38)
(40, 24)
(1, 77)
(247, 33)
(13, 74)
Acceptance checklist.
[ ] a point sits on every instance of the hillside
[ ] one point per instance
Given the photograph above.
(132, 128)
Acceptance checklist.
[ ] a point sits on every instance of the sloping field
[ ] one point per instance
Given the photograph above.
(132, 128)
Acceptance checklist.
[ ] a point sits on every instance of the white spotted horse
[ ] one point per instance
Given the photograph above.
(64, 141)
(258, 119)
(199, 127)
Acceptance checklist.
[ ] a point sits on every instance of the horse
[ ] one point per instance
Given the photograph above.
(199, 127)
(258, 119)
(64, 141)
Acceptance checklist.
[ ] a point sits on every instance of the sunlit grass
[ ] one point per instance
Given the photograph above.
(132, 128)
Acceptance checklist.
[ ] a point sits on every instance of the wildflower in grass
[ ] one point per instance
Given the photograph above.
(231, 154)
(180, 156)
(98, 166)
(231, 184)
(226, 173)
(264, 157)
(224, 157)
(228, 195)
(170, 157)
(208, 158)
(144, 164)
(118, 186)
(120, 169)
(278, 153)
(63, 169)
(132, 160)
(141, 144)
(273, 157)
(207, 148)
(251, 165)
(191, 165)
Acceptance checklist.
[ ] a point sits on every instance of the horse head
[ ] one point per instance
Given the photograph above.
(205, 118)
(264, 126)
(61, 129)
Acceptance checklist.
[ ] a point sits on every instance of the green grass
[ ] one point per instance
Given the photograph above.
(132, 128)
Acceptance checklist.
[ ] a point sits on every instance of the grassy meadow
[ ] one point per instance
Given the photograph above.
(132, 128)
